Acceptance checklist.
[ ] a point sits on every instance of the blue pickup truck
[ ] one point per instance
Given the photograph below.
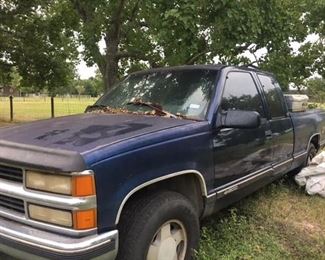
(132, 177)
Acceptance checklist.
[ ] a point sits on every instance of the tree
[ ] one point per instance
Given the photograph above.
(40, 38)
(316, 89)
(289, 67)
(152, 33)
(38, 42)
(80, 89)
(295, 67)
(94, 86)
(315, 21)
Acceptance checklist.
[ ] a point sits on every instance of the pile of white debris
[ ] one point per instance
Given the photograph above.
(313, 176)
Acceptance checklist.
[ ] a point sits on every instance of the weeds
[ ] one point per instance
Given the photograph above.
(278, 222)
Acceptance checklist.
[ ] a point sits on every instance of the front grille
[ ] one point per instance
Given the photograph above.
(12, 203)
(11, 173)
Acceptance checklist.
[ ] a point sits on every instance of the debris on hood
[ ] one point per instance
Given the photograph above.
(313, 176)
(156, 111)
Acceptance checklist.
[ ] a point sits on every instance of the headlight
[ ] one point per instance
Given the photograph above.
(49, 215)
(78, 185)
(80, 220)
(49, 182)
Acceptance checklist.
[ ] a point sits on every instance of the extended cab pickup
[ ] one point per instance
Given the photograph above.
(131, 178)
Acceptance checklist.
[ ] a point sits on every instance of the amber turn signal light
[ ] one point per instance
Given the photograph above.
(83, 185)
(84, 219)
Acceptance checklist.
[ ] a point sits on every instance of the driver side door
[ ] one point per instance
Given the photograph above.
(240, 154)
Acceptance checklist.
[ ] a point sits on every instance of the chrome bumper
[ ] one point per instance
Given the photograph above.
(27, 242)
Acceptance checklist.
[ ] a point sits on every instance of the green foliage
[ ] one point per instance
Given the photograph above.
(316, 89)
(310, 59)
(93, 86)
(40, 38)
(36, 41)
(289, 67)
(278, 222)
(157, 32)
(315, 16)
(312, 105)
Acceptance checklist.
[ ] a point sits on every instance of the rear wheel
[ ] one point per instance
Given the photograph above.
(312, 151)
(162, 226)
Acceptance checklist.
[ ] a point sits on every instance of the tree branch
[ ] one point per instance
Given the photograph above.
(87, 18)
(134, 11)
(195, 57)
(135, 55)
(84, 13)
(117, 20)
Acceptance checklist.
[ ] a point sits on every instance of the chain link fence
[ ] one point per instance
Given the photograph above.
(22, 109)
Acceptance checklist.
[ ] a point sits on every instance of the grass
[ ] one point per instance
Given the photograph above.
(34, 108)
(278, 222)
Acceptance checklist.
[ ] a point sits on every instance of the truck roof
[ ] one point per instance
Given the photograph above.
(216, 67)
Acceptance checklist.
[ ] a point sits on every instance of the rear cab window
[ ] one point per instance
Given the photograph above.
(274, 99)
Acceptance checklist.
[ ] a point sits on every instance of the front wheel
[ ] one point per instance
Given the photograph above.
(163, 225)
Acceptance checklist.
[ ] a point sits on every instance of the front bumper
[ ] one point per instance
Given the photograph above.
(27, 242)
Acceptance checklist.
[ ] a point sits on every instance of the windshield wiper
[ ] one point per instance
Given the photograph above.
(158, 108)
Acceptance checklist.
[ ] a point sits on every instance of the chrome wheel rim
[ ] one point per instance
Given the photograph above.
(169, 242)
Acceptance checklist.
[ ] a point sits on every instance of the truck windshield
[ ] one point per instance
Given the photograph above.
(184, 93)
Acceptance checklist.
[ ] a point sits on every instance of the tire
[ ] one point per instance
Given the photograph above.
(145, 216)
(312, 151)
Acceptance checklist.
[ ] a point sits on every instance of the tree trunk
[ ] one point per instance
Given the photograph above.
(112, 41)
(111, 72)
(108, 63)
(111, 69)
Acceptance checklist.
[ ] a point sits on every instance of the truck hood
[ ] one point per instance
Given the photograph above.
(85, 132)
(59, 143)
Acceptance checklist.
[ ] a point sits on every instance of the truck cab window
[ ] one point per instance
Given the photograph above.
(240, 93)
(273, 97)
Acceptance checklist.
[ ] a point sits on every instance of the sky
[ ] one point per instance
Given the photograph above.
(84, 71)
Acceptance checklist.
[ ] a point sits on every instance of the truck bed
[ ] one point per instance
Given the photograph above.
(306, 124)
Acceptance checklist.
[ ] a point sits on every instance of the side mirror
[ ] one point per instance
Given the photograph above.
(240, 119)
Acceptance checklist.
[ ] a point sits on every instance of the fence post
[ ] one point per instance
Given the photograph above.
(52, 107)
(11, 98)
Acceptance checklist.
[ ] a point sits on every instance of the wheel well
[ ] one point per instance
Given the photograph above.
(315, 141)
(189, 185)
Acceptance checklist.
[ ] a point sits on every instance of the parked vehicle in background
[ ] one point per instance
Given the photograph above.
(133, 177)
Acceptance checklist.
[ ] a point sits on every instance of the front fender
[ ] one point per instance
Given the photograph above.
(119, 177)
